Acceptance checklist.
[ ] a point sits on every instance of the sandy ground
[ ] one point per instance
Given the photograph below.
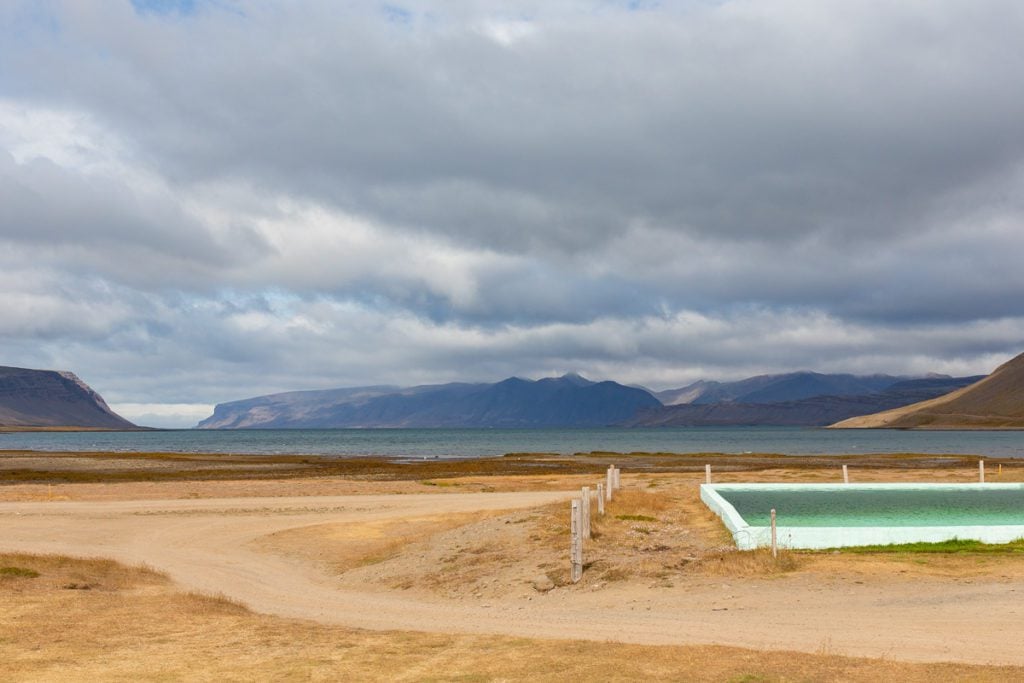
(285, 555)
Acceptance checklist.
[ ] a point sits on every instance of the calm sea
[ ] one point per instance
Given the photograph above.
(466, 443)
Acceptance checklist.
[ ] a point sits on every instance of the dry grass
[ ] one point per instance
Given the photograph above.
(139, 628)
(747, 563)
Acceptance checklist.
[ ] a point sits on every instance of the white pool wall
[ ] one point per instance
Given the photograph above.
(816, 538)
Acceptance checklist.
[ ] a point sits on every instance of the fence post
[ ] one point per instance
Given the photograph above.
(981, 471)
(618, 479)
(707, 473)
(600, 498)
(775, 547)
(846, 475)
(585, 511)
(576, 547)
(610, 477)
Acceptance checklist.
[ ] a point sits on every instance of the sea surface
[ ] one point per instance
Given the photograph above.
(468, 443)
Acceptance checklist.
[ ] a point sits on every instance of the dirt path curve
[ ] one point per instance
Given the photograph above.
(207, 545)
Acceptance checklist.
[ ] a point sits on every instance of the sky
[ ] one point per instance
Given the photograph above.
(207, 200)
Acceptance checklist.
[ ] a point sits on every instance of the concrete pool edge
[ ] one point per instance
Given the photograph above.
(747, 537)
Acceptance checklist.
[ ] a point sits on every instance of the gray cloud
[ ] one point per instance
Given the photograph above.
(236, 198)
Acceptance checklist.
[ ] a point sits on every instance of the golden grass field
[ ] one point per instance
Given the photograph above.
(75, 619)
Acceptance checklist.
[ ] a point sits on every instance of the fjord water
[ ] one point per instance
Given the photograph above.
(467, 443)
(856, 507)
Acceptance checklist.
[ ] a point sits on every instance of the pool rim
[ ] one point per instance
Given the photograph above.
(748, 537)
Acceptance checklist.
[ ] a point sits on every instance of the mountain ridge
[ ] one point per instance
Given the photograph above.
(774, 388)
(816, 411)
(567, 401)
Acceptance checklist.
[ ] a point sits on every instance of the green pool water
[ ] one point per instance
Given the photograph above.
(858, 507)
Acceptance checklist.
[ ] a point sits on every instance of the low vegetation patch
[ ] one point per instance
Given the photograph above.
(636, 518)
(954, 546)
(18, 573)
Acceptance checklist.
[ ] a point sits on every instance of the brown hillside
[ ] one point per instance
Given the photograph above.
(996, 402)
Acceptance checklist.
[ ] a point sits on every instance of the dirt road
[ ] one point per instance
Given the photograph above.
(211, 545)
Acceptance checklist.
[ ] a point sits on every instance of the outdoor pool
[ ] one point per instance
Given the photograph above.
(838, 515)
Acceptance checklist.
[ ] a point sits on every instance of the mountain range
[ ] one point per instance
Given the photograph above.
(813, 411)
(50, 398)
(794, 399)
(792, 386)
(53, 399)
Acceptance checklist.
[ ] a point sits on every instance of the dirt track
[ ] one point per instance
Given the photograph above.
(211, 545)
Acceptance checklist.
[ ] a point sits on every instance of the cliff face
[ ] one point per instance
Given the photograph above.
(48, 398)
(995, 402)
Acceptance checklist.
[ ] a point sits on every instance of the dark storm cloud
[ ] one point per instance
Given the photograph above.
(426, 191)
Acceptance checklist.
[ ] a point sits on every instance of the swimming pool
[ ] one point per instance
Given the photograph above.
(837, 515)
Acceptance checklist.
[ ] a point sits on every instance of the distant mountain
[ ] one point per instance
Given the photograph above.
(814, 411)
(568, 401)
(994, 402)
(49, 398)
(793, 386)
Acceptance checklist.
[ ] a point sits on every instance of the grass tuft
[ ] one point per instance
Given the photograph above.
(18, 573)
(636, 518)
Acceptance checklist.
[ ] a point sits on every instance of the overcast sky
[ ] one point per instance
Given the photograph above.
(206, 200)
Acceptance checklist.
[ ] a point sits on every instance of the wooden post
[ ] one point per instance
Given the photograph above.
(981, 471)
(610, 477)
(600, 498)
(618, 478)
(775, 547)
(576, 548)
(707, 473)
(585, 511)
(846, 475)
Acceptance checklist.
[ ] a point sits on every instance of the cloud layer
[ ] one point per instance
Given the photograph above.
(201, 201)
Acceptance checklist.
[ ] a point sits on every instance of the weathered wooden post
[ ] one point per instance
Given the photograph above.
(707, 473)
(618, 478)
(576, 547)
(846, 475)
(610, 478)
(981, 471)
(775, 547)
(585, 511)
(600, 498)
